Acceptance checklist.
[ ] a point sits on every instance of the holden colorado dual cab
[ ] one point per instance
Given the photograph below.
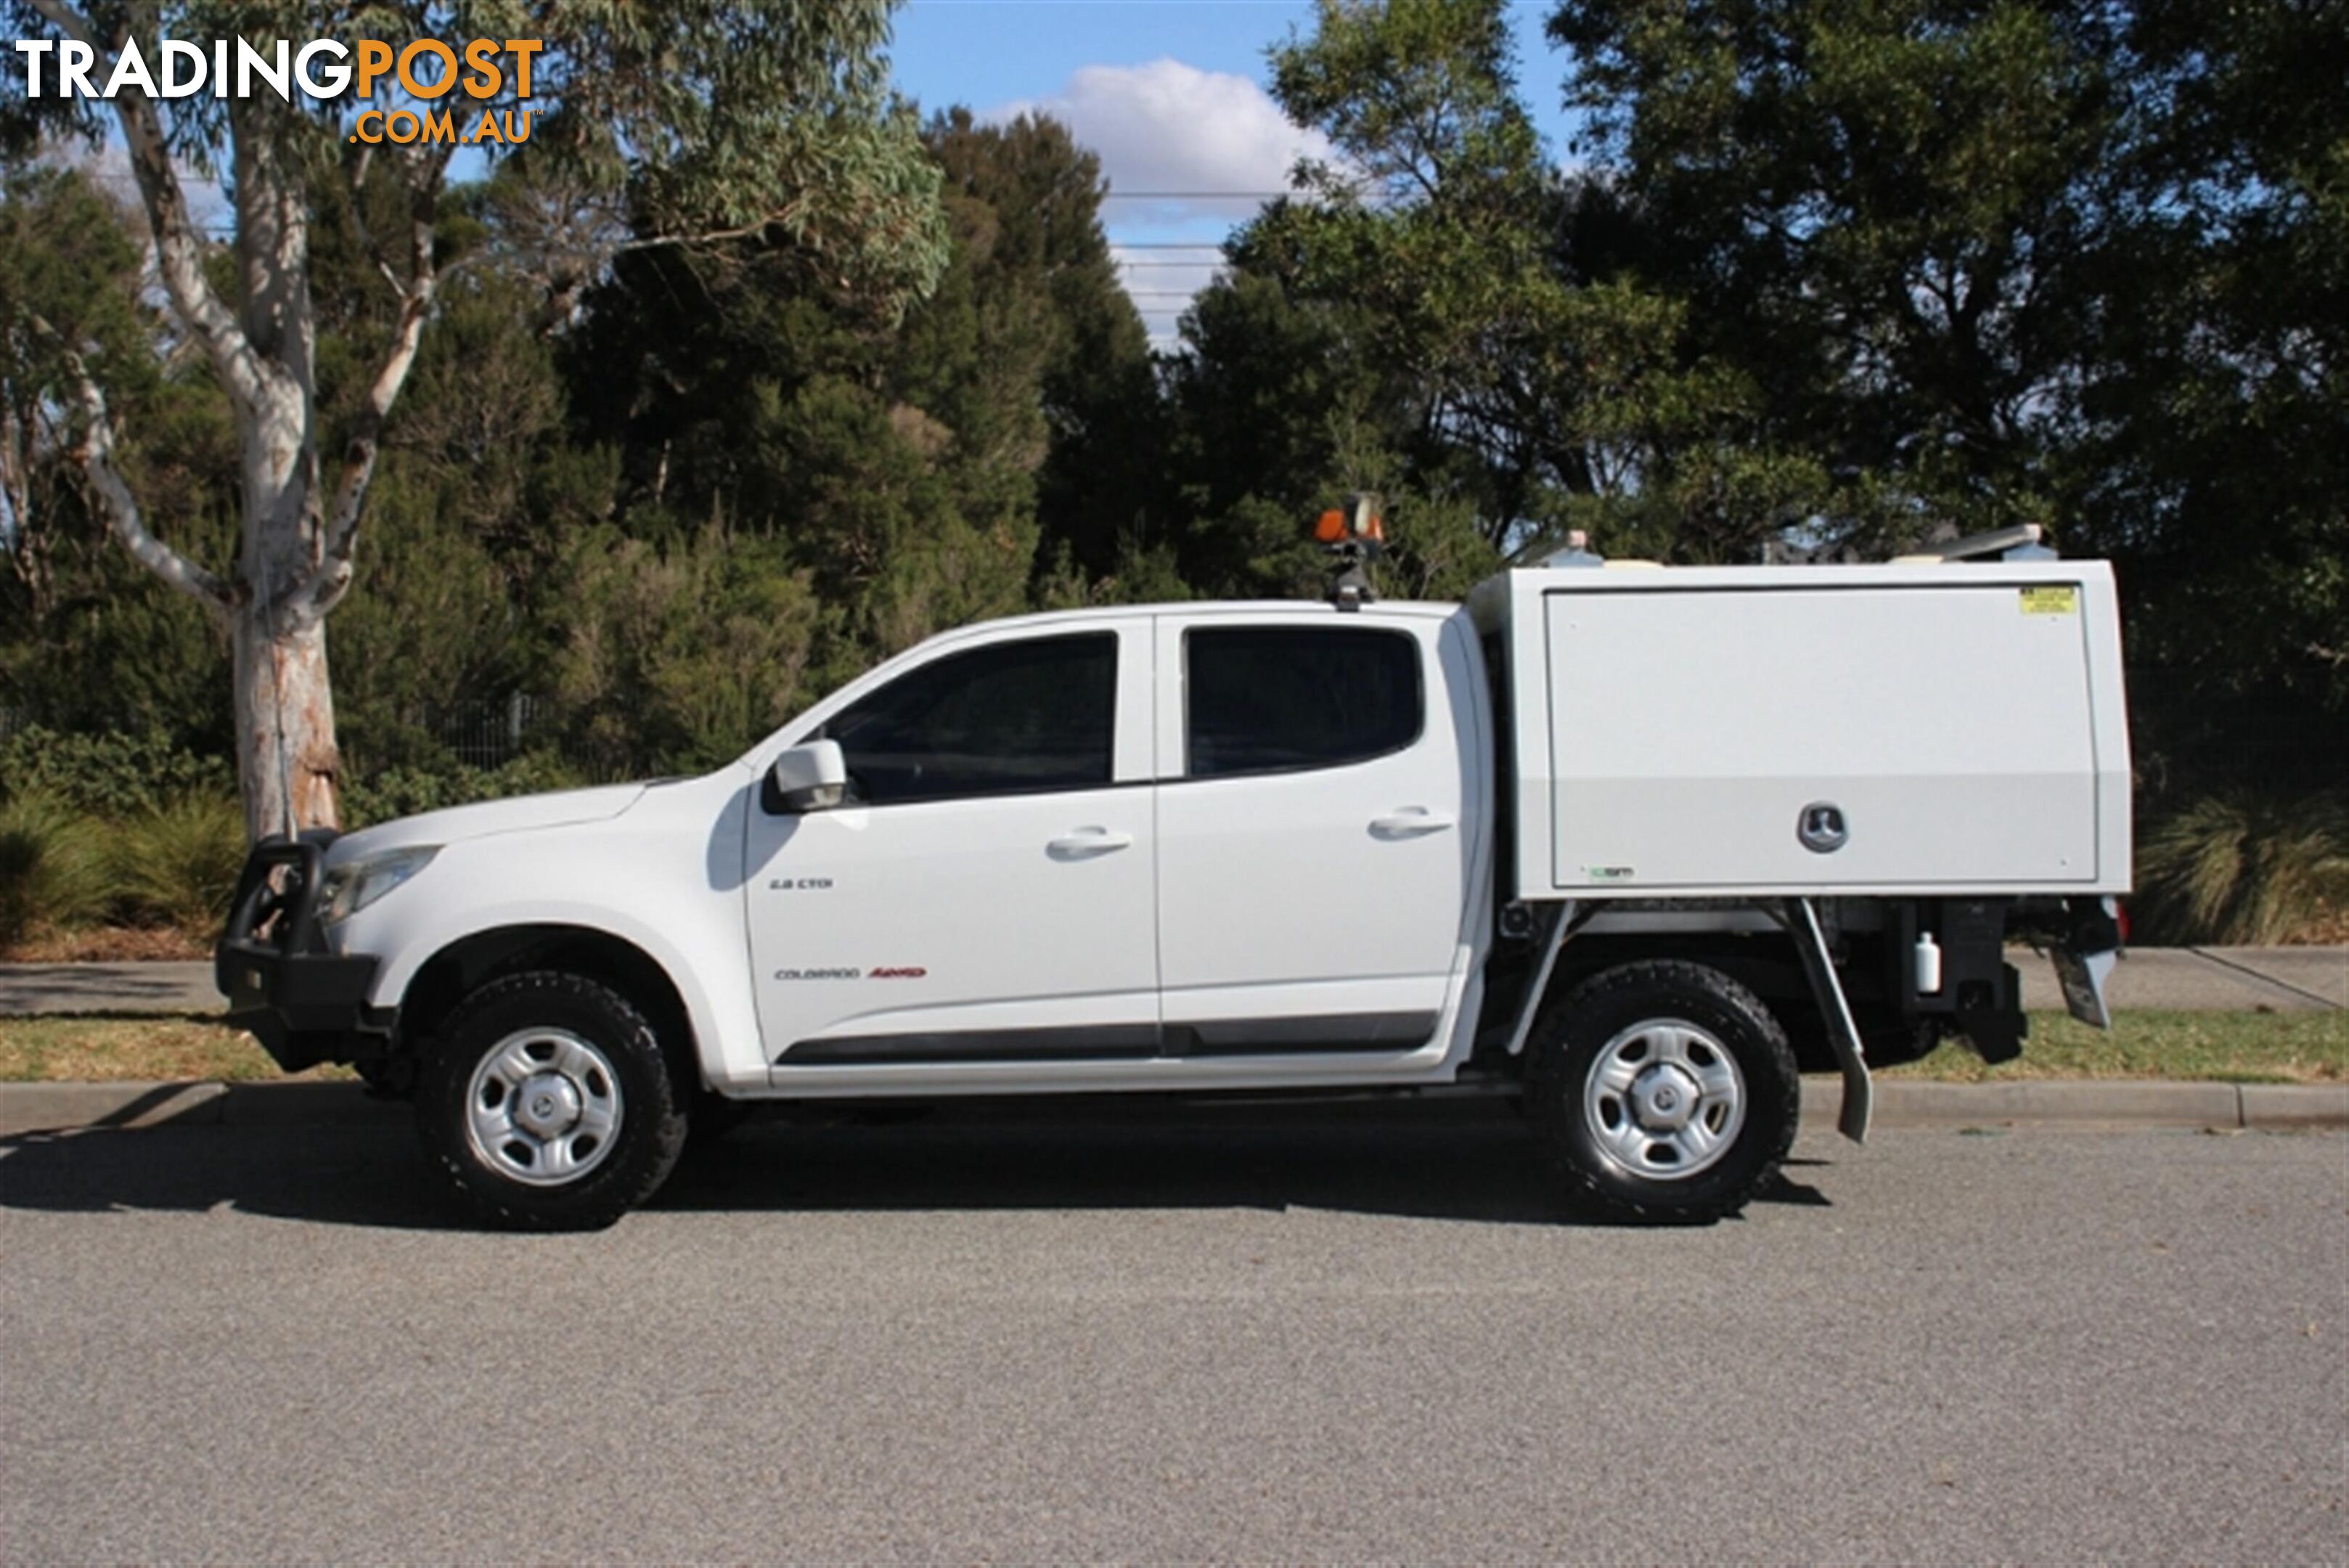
(1631, 846)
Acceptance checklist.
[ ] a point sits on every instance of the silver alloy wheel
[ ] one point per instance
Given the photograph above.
(543, 1107)
(1664, 1099)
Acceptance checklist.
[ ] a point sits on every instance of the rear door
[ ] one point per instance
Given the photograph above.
(1313, 851)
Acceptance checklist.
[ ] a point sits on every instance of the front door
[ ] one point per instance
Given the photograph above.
(987, 892)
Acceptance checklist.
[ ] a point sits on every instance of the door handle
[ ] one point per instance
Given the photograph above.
(1410, 822)
(1087, 842)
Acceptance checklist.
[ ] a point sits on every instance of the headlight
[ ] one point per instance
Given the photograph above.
(353, 885)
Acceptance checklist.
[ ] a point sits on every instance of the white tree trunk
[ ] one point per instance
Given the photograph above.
(286, 763)
(294, 562)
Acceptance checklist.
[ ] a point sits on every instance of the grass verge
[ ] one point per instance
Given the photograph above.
(2224, 1047)
(2221, 1047)
(93, 1050)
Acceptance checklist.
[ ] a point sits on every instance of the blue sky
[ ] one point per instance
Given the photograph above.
(1170, 93)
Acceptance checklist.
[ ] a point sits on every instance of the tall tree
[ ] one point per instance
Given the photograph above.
(88, 639)
(1882, 214)
(1041, 196)
(2060, 261)
(2214, 459)
(1440, 314)
(904, 469)
(668, 121)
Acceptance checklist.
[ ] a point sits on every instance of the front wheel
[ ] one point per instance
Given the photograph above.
(548, 1103)
(1664, 1092)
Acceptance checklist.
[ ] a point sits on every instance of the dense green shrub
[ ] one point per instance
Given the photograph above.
(678, 659)
(131, 829)
(405, 792)
(2243, 868)
(106, 773)
(52, 867)
(177, 863)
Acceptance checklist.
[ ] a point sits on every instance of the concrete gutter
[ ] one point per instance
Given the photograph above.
(2092, 1102)
(1900, 1103)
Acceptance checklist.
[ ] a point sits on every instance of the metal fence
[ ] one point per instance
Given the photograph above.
(2184, 739)
(486, 734)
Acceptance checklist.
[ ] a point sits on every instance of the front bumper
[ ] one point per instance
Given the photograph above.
(304, 1003)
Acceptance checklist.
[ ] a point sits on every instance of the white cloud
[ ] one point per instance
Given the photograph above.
(1166, 126)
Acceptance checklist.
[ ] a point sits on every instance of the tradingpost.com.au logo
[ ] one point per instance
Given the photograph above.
(323, 70)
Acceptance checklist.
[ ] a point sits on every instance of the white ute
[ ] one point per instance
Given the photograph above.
(1630, 845)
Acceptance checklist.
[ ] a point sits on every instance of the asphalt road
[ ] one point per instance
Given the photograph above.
(1271, 1335)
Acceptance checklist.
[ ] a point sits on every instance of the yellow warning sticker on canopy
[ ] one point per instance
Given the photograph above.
(2064, 600)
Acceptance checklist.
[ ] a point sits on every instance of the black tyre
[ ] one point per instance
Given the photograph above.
(1664, 1092)
(546, 1102)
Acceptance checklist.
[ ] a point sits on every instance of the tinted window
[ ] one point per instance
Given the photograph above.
(1263, 698)
(1012, 718)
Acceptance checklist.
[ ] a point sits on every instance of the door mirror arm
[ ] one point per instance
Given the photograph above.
(810, 777)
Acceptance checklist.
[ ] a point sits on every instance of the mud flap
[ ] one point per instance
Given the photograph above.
(2083, 978)
(2084, 959)
(1843, 1034)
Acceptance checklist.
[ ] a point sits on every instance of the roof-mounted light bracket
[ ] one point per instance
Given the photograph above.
(2022, 542)
(1353, 536)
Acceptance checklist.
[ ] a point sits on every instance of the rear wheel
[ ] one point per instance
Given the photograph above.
(547, 1104)
(1664, 1092)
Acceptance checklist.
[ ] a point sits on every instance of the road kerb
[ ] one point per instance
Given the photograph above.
(1907, 1103)
(2277, 1106)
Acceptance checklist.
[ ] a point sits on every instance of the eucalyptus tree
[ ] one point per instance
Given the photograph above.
(1513, 363)
(1891, 216)
(645, 125)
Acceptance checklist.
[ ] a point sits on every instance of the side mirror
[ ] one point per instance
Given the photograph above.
(809, 777)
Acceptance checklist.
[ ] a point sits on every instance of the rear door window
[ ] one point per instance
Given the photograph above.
(1279, 699)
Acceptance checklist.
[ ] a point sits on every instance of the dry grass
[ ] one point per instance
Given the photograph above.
(87, 1050)
(2328, 927)
(108, 944)
(2224, 1047)
(2245, 870)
